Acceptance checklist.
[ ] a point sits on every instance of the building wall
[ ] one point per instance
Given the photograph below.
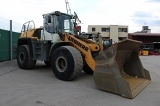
(114, 32)
(144, 37)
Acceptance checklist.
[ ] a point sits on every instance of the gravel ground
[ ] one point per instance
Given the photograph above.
(39, 87)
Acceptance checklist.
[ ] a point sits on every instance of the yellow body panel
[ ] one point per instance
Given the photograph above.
(92, 45)
(27, 34)
(85, 47)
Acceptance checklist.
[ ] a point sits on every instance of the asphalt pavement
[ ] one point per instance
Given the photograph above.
(39, 87)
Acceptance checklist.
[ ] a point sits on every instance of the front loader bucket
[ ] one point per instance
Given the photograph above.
(119, 70)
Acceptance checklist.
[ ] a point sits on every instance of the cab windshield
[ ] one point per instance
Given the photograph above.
(65, 23)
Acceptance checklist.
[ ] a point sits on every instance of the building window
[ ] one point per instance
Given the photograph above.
(93, 29)
(105, 30)
(122, 38)
(122, 30)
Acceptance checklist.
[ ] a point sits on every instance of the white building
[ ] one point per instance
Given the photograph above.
(114, 32)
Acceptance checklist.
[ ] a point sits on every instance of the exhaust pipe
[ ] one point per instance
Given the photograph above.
(119, 69)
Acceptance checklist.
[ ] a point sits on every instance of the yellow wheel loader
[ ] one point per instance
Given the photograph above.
(116, 69)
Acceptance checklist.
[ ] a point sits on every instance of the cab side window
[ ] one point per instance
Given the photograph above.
(49, 19)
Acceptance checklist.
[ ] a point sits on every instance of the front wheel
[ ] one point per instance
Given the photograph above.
(87, 70)
(66, 63)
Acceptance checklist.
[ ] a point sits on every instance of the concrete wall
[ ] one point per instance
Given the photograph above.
(114, 33)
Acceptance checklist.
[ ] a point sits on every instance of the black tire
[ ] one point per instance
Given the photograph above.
(66, 63)
(48, 63)
(24, 58)
(88, 70)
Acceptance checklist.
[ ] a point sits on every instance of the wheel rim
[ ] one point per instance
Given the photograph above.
(21, 57)
(61, 64)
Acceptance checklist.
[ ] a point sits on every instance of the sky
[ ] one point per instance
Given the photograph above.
(133, 13)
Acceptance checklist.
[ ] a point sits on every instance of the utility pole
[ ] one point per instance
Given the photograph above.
(11, 56)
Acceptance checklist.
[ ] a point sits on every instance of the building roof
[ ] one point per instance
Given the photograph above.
(144, 34)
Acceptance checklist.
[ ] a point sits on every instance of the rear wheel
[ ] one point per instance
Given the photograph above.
(24, 58)
(66, 63)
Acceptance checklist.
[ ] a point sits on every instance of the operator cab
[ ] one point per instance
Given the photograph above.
(57, 22)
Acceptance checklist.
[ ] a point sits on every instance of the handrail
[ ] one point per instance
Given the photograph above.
(28, 24)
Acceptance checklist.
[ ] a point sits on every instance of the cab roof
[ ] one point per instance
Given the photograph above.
(56, 12)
